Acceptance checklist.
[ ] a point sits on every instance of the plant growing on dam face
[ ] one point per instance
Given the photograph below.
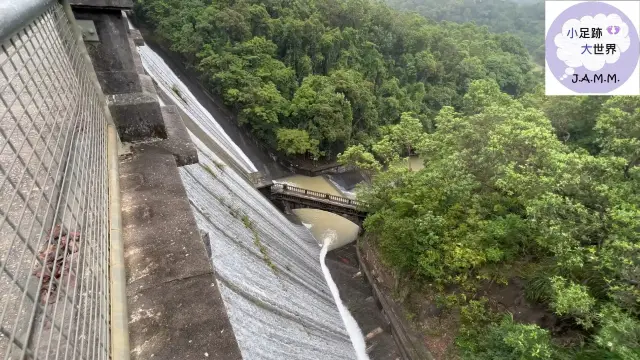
(209, 170)
(218, 164)
(176, 91)
(256, 241)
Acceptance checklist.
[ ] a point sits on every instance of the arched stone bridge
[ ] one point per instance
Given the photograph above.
(297, 197)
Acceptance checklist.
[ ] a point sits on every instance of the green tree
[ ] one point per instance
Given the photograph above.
(357, 156)
(618, 128)
(295, 141)
(367, 63)
(323, 112)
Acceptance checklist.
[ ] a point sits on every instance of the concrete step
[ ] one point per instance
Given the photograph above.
(137, 116)
(178, 141)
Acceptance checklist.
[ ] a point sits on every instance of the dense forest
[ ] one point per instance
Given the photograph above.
(539, 191)
(538, 194)
(311, 77)
(524, 18)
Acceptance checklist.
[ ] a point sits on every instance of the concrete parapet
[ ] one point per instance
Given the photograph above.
(178, 141)
(175, 307)
(147, 85)
(119, 82)
(111, 52)
(136, 57)
(136, 37)
(103, 4)
(137, 116)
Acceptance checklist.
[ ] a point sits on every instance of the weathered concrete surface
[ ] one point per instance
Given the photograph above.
(147, 85)
(137, 116)
(136, 36)
(137, 61)
(117, 82)
(178, 141)
(175, 307)
(109, 4)
(130, 93)
(112, 52)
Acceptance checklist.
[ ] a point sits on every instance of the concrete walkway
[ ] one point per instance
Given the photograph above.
(175, 307)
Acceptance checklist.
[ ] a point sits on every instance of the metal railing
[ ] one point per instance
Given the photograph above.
(54, 190)
(277, 187)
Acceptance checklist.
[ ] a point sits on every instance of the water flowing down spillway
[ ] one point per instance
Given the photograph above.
(276, 292)
(171, 85)
(271, 281)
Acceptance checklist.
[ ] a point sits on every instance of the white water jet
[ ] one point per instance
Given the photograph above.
(345, 192)
(350, 323)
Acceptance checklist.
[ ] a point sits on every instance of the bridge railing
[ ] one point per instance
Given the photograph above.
(54, 189)
(315, 194)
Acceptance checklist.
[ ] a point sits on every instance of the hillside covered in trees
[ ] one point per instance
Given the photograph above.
(522, 18)
(311, 77)
(539, 195)
(535, 196)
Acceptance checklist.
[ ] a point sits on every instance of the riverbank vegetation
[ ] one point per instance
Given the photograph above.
(540, 196)
(333, 71)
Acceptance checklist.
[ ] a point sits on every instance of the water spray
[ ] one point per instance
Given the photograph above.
(350, 323)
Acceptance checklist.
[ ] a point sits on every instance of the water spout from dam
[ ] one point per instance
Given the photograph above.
(350, 323)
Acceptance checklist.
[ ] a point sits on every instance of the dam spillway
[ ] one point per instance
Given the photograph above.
(267, 269)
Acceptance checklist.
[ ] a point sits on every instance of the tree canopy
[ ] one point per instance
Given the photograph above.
(502, 189)
(336, 69)
(523, 19)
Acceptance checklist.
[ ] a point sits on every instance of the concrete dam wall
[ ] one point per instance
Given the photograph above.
(267, 268)
(268, 271)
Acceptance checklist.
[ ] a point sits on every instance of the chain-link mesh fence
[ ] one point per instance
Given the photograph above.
(54, 251)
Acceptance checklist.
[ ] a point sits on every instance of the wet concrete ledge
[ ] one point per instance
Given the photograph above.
(175, 307)
(357, 294)
(409, 344)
